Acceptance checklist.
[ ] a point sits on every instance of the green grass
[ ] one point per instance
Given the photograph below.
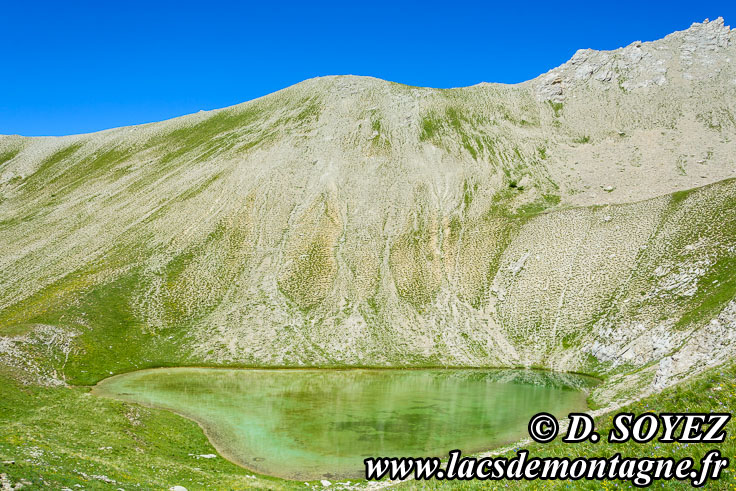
(196, 190)
(464, 127)
(717, 286)
(49, 166)
(237, 129)
(679, 196)
(64, 171)
(112, 337)
(61, 437)
(468, 193)
(381, 138)
(552, 199)
(556, 108)
(430, 127)
(8, 155)
(528, 210)
(215, 134)
(712, 391)
(376, 125)
(715, 289)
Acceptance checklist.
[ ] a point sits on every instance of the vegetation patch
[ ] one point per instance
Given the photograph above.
(8, 155)
(65, 438)
(556, 108)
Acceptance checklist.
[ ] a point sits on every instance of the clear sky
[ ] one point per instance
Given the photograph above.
(73, 66)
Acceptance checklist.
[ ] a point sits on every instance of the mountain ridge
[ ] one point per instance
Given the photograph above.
(706, 34)
(350, 221)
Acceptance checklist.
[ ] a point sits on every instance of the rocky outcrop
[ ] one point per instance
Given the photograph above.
(696, 53)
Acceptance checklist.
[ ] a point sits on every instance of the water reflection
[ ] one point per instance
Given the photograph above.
(309, 424)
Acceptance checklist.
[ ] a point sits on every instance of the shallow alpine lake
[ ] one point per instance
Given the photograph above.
(320, 423)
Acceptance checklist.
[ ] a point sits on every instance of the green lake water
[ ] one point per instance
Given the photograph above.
(314, 424)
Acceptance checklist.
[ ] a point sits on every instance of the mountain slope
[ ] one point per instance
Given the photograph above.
(349, 221)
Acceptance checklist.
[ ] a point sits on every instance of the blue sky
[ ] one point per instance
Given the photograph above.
(75, 67)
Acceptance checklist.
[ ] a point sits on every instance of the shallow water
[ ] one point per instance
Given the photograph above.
(311, 424)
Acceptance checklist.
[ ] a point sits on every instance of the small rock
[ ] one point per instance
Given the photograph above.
(517, 266)
(608, 189)
(203, 456)
(325, 483)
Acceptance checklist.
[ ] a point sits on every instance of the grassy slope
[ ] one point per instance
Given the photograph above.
(99, 300)
(62, 437)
